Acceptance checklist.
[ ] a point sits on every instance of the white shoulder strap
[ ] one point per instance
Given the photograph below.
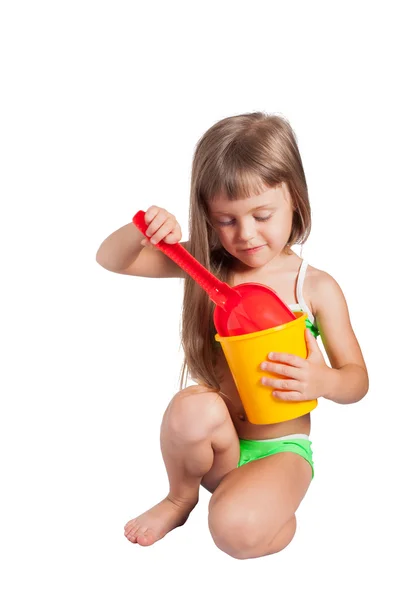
(299, 290)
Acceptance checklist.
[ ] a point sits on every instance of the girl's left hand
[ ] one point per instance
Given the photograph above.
(305, 378)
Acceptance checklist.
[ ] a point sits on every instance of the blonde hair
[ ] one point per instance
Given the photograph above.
(237, 156)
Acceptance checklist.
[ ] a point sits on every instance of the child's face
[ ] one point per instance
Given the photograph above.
(262, 221)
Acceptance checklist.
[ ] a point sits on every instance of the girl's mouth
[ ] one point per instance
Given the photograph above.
(254, 249)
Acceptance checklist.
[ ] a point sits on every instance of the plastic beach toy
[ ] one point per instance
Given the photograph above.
(241, 309)
(244, 355)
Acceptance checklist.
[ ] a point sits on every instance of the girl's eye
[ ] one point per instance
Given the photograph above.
(231, 222)
(224, 222)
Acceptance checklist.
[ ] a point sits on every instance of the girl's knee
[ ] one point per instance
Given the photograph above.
(194, 413)
(233, 532)
(284, 537)
(241, 535)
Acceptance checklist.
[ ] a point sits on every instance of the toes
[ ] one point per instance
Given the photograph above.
(137, 535)
(145, 538)
(129, 525)
(132, 536)
(141, 536)
(131, 530)
(142, 540)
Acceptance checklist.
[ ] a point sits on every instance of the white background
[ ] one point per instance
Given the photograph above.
(102, 104)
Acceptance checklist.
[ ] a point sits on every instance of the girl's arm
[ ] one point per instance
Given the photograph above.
(347, 380)
(120, 249)
(123, 250)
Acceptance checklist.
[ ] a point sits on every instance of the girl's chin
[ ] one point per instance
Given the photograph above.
(253, 262)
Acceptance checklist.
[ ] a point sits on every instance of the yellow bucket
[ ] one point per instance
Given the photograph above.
(244, 355)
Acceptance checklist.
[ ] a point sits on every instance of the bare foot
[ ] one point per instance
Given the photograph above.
(155, 523)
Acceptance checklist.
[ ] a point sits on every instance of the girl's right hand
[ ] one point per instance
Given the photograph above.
(162, 225)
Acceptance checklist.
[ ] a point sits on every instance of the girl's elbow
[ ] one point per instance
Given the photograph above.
(365, 385)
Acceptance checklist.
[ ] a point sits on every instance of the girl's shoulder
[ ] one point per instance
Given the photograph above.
(321, 289)
(319, 278)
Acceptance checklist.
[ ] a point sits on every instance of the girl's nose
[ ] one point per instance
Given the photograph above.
(246, 233)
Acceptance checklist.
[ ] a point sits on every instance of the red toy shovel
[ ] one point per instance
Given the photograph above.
(244, 308)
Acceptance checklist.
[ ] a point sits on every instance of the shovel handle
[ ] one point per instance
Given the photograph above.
(218, 291)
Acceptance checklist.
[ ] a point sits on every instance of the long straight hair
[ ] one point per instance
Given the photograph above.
(238, 156)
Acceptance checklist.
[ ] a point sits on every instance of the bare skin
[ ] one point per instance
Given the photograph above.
(252, 508)
(200, 446)
(215, 449)
(208, 440)
(156, 522)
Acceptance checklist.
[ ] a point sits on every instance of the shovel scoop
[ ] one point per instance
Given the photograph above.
(241, 309)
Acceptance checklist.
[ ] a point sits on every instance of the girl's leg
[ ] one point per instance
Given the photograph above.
(198, 441)
(252, 512)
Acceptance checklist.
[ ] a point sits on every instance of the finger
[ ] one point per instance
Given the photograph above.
(312, 345)
(174, 236)
(291, 385)
(289, 359)
(166, 228)
(147, 244)
(159, 228)
(156, 223)
(310, 339)
(150, 213)
(280, 369)
(291, 396)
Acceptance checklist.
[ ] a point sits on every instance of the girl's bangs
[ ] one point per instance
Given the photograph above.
(235, 184)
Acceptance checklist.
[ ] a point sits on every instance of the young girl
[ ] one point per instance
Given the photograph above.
(248, 205)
